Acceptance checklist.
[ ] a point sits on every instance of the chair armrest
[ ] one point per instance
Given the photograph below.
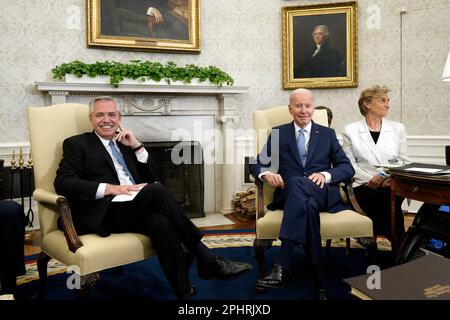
(351, 195)
(73, 241)
(45, 196)
(260, 187)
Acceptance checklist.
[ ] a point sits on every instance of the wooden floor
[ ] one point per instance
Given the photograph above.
(33, 241)
(239, 223)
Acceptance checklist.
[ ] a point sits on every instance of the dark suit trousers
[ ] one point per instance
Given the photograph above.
(155, 213)
(12, 231)
(376, 203)
(301, 220)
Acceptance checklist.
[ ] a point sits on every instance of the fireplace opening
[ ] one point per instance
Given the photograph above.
(184, 180)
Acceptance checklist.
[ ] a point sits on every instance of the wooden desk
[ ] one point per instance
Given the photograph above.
(426, 188)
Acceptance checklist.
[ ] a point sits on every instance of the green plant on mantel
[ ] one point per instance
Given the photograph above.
(143, 70)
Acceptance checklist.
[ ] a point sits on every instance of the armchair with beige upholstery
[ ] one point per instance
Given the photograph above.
(48, 127)
(344, 224)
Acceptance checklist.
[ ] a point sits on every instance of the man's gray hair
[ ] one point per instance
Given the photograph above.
(303, 91)
(102, 98)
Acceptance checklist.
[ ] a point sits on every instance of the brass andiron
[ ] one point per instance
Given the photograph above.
(13, 168)
(20, 168)
(21, 162)
(13, 160)
(30, 212)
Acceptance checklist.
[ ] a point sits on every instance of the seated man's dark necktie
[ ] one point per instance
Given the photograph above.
(120, 160)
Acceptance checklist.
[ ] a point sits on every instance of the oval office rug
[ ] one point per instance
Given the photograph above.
(145, 279)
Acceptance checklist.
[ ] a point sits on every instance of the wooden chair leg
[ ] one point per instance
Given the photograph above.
(328, 247)
(260, 246)
(372, 252)
(42, 262)
(347, 246)
(87, 282)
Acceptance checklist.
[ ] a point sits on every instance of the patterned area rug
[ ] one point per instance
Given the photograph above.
(246, 239)
(211, 240)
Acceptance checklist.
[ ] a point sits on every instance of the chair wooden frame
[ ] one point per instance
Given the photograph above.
(263, 244)
(90, 253)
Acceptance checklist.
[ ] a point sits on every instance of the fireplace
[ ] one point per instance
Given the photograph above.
(185, 179)
(155, 112)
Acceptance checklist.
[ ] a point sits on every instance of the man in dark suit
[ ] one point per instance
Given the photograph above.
(164, 19)
(99, 165)
(303, 161)
(12, 232)
(323, 61)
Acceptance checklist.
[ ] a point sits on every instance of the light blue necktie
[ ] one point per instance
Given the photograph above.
(120, 159)
(301, 145)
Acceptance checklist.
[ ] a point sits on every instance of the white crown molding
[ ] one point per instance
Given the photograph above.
(55, 87)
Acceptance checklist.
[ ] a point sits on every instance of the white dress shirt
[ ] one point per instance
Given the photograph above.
(307, 135)
(124, 179)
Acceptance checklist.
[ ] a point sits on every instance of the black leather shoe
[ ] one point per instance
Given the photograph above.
(277, 278)
(223, 269)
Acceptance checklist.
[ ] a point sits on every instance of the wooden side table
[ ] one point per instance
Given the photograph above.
(421, 187)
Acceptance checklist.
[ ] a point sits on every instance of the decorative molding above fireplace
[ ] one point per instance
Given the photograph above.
(58, 91)
(155, 112)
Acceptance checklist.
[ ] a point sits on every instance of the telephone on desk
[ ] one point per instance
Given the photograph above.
(428, 234)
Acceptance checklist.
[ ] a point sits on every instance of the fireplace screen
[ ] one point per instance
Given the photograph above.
(184, 180)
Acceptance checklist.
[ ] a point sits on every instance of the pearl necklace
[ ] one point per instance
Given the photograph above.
(376, 129)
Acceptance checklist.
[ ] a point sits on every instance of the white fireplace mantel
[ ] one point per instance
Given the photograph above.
(58, 90)
(171, 107)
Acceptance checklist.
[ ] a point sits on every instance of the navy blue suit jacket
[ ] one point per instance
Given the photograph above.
(324, 154)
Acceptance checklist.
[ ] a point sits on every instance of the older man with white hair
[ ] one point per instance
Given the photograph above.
(310, 164)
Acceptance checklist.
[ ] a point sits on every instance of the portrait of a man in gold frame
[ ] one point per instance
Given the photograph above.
(320, 46)
(153, 25)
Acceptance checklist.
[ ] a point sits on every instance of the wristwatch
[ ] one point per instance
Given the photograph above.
(139, 147)
(382, 174)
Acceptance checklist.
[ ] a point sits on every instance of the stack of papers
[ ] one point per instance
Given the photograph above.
(427, 170)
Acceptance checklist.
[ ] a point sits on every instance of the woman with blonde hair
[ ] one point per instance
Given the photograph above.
(371, 142)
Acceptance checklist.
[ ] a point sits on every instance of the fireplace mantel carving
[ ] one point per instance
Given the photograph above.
(182, 104)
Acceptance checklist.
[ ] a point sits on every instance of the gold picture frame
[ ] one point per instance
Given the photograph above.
(168, 25)
(334, 64)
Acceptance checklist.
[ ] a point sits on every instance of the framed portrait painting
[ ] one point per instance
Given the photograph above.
(320, 46)
(153, 25)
